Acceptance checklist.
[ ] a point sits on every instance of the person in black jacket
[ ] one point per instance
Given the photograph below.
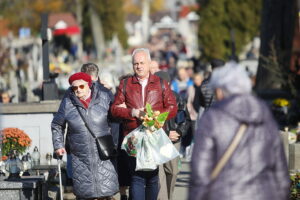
(175, 128)
(93, 70)
(208, 96)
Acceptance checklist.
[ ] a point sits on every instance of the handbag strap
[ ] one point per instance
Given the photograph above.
(85, 123)
(228, 153)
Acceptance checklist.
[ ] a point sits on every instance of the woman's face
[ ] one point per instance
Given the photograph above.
(198, 80)
(182, 74)
(5, 97)
(81, 89)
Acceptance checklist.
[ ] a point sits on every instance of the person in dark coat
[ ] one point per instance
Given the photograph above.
(92, 177)
(257, 168)
(207, 97)
(93, 70)
(175, 128)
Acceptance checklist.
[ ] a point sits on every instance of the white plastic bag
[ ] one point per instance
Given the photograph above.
(131, 142)
(144, 157)
(150, 148)
(161, 146)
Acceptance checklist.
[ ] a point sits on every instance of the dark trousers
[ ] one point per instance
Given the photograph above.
(143, 184)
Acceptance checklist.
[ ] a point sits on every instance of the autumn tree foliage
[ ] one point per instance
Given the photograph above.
(218, 18)
(27, 13)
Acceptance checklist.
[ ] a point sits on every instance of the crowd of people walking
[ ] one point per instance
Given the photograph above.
(237, 151)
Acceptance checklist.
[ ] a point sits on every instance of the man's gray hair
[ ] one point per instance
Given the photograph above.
(91, 69)
(232, 79)
(143, 50)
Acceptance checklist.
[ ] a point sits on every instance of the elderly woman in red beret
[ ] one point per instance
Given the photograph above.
(93, 177)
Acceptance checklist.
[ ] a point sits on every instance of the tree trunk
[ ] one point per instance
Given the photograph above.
(97, 30)
(146, 20)
(79, 20)
(277, 26)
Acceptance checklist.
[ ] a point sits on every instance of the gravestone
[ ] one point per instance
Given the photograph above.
(294, 158)
(25, 189)
(285, 139)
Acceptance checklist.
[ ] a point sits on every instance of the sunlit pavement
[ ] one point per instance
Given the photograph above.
(182, 184)
(181, 187)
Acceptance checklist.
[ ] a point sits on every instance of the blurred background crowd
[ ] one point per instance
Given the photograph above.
(184, 36)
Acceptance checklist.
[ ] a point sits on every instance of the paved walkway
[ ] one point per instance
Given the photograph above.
(181, 187)
(182, 184)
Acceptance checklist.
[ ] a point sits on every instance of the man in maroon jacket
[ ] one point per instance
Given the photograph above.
(129, 105)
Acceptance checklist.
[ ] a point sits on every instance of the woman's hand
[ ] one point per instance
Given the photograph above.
(60, 152)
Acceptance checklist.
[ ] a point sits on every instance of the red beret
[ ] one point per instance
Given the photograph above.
(80, 76)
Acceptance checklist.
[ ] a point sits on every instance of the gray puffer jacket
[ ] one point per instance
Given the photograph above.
(257, 169)
(92, 177)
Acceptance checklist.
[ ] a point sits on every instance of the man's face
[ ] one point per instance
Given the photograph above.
(154, 67)
(80, 88)
(141, 65)
(94, 78)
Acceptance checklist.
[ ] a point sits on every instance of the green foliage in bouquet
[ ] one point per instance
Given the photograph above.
(162, 117)
(154, 120)
(149, 110)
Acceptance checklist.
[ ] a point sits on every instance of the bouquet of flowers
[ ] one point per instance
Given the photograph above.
(14, 138)
(149, 143)
(154, 120)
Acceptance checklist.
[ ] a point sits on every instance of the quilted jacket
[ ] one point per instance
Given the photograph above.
(208, 97)
(159, 98)
(92, 177)
(257, 168)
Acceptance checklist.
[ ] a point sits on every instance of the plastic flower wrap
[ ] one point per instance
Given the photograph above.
(130, 146)
(154, 120)
(14, 138)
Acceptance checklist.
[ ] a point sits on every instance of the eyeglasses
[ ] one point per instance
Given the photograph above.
(74, 88)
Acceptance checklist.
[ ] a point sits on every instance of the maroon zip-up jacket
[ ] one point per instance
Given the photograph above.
(160, 98)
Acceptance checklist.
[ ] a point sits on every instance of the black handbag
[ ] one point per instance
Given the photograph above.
(105, 144)
(106, 147)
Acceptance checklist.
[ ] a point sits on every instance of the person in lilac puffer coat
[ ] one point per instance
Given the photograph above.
(258, 168)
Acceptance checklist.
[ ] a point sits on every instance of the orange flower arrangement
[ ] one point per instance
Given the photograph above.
(14, 138)
(4, 158)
